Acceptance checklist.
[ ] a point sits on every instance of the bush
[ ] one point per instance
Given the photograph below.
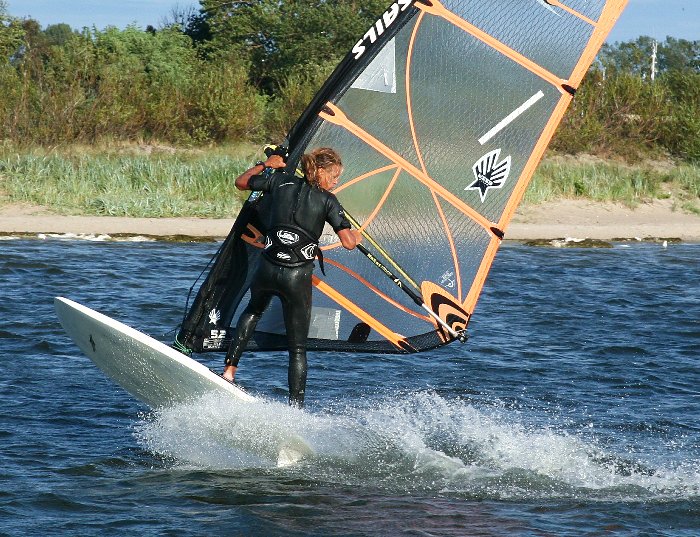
(223, 105)
(621, 115)
(295, 93)
(681, 135)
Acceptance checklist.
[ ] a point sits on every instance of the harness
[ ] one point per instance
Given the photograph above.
(290, 245)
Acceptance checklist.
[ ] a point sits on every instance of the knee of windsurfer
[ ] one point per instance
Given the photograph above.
(299, 210)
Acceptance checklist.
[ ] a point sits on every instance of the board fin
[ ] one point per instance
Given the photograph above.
(292, 451)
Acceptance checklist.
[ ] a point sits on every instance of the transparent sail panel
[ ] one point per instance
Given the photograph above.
(590, 8)
(439, 128)
(544, 33)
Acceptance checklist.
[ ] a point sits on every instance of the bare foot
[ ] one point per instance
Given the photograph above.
(229, 373)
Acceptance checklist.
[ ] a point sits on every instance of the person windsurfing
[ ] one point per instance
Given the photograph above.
(300, 207)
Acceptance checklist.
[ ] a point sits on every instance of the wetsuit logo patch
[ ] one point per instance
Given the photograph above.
(268, 242)
(309, 251)
(282, 255)
(287, 237)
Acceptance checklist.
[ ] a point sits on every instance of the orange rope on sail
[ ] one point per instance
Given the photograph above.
(336, 116)
(377, 291)
(439, 10)
(396, 339)
(364, 176)
(409, 106)
(572, 11)
(381, 201)
(453, 249)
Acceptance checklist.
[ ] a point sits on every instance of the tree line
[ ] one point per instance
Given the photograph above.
(243, 71)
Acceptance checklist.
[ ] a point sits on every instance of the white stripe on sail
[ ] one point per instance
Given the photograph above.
(511, 117)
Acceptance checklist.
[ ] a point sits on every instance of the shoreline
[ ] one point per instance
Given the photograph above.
(574, 219)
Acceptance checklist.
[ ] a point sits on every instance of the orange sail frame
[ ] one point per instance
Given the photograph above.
(333, 114)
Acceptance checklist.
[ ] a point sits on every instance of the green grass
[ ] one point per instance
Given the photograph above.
(138, 185)
(615, 182)
(153, 181)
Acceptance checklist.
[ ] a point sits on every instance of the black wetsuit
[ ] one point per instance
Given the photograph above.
(299, 212)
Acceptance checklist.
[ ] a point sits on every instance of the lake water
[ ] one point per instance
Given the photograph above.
(574, 409)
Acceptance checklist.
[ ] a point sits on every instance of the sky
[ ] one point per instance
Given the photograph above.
(656, 18)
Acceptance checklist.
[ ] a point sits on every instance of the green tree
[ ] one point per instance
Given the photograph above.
(680, 55)
(58, 34)
(636, 56)
(628, 57)
(283, 38)
(11, 34)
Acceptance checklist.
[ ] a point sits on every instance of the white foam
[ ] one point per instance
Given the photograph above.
(103, 237)
(414, 442)
(212, 433)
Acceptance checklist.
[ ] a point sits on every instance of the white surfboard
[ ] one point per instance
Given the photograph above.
(151, 371)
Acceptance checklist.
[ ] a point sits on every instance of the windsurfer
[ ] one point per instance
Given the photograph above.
(300, 208)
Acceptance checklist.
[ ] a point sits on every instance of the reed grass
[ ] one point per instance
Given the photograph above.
(156, 185)
(126, 181)
(615, 182)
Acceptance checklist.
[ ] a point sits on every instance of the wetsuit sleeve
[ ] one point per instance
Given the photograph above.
(262, 182)
(336, 215)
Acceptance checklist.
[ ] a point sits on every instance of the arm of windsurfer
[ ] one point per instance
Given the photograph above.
(275, 161)
(349, 238)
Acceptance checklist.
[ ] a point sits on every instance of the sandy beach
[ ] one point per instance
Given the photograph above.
(557, 220)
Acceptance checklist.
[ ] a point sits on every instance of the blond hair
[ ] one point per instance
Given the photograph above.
(320, 158)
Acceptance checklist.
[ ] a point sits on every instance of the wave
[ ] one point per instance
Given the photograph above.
(89, 237)
(412, 443)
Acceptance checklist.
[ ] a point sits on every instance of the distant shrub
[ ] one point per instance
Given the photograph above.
(222, 105)
(621, 115)
(681, 135)
(295, 93)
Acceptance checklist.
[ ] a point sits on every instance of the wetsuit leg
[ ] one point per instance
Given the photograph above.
(260, 297)
(293, 286)
(296, 306)
(296, 377)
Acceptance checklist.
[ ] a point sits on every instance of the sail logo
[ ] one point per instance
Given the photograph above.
(448, 279)
(214, 316)
(490, 173)
(287, 237)
(378, 28)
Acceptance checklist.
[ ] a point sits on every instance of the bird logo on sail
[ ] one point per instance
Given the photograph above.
(490, 173)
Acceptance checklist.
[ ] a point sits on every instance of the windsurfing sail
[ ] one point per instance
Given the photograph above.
(441, 112)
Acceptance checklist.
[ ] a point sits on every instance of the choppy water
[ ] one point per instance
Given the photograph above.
(574, 409)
